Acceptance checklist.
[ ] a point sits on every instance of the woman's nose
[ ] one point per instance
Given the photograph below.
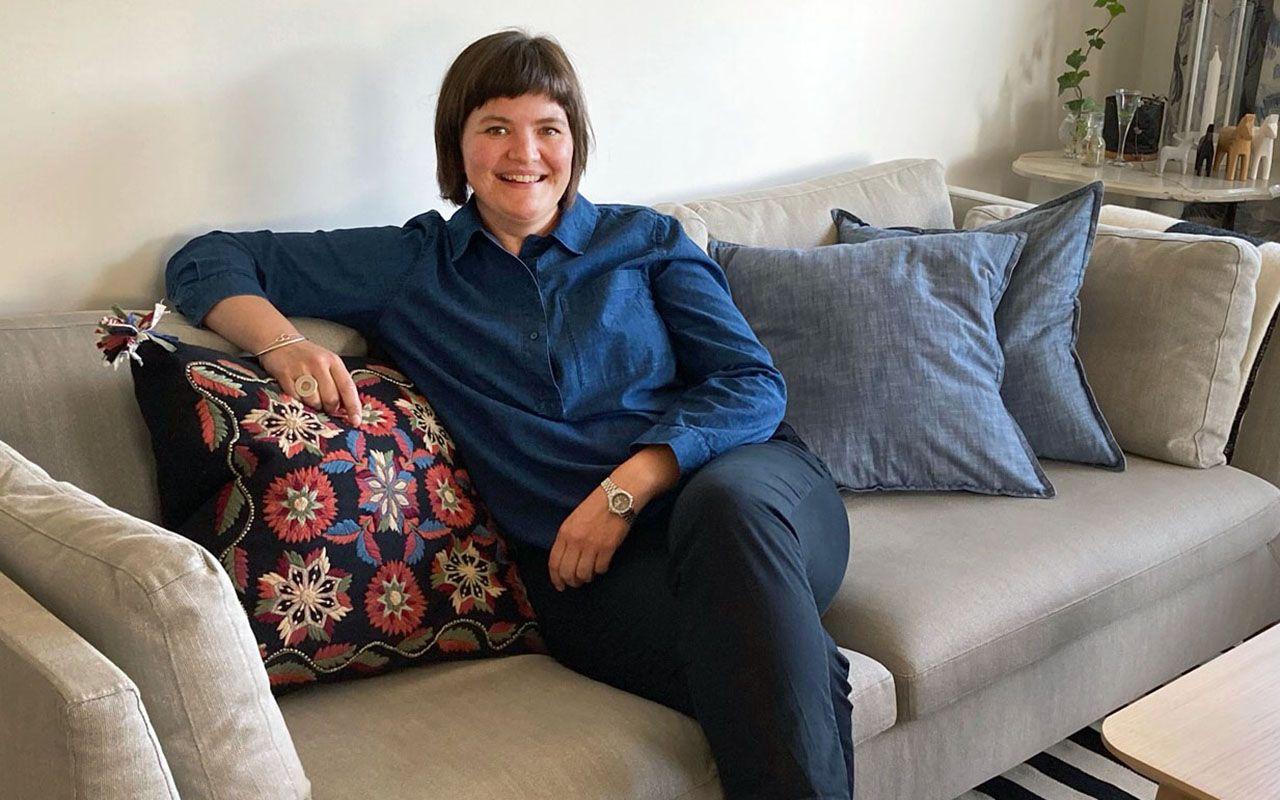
(524, 147)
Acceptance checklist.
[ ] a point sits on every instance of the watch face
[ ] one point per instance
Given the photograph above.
(620, 502)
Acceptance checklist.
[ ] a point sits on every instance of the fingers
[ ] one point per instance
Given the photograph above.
(347, 394)
(603, 557)
(553, 563)
(564, 565)
(334, 391)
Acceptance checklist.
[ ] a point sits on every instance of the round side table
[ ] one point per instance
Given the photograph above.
(1165, 194)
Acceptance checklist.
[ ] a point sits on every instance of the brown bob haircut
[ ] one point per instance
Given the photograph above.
(508, 63)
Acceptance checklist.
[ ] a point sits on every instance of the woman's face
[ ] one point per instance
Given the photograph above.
(518, 153)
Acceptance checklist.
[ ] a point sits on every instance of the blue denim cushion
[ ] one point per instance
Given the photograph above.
(890, 354)
(1038, 321)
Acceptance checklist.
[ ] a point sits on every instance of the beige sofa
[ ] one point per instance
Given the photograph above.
(980, 630)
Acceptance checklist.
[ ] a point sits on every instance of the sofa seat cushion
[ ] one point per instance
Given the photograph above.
(523, 726)
(951, 592)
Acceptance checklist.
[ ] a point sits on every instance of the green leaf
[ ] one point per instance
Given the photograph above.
(1100, 3)
(1069, 80)
(416, 641)
(1093, 32)
(1075, 59)
(1096, 43)
(1076, 106)
(1115, 9)
(235, 502)
(1084, 73)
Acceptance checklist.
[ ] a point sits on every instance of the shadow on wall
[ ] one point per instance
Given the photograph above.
(796, 175)
(301, 143)
(1012, 121)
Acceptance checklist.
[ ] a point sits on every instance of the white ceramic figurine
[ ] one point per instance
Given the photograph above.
(1264, 139)
(1181, 152)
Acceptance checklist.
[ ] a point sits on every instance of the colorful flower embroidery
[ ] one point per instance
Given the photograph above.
(336, 537)
(469, 577)
(393, 600)
(300, 505)
(289, 424)
(305, 598)
(387, 490)
(422, 418)
(375, 418)
(449, 503)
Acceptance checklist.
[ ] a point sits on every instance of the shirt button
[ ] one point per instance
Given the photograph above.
(533, 335)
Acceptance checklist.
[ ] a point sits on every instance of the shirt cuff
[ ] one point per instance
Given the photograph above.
(195, 299)
(689, 445)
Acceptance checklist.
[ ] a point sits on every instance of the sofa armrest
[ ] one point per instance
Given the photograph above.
(963, 199)
(71, 723)
(1258, 442)
(163, 611)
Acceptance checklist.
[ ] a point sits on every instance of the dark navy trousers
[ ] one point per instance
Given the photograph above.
(711, 606)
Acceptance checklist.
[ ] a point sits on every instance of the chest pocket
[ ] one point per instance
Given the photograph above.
(619, 341)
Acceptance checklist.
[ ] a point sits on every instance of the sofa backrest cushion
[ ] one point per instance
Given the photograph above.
(79, 421)
(160, 608)
(904, 192)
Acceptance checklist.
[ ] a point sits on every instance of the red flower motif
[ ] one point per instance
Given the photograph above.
(449, 502)
(376, 418)
(393, 601)
(300, 505)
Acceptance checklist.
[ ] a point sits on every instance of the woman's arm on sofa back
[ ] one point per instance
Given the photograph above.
(345, 275)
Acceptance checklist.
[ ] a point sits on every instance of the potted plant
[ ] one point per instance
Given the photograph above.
(1078, 107)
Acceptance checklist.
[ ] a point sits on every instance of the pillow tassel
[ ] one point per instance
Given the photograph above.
(120, 333)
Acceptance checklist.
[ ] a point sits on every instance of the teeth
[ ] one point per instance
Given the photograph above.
(522, 178)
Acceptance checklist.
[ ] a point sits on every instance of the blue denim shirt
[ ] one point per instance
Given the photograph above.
(549, 369)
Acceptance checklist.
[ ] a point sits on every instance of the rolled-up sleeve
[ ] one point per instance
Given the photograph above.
(342, 275)
(735, 394)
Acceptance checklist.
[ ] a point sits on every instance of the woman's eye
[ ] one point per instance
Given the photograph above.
(496, 128)
(552, 130)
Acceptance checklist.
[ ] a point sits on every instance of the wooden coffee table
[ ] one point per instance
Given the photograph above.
(1212, 734)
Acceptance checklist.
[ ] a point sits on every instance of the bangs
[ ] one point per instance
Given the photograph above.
(518, 71)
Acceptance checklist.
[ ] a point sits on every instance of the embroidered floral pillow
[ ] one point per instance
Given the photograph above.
(355, 550)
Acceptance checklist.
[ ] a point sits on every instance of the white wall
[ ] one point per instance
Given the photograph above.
(131, 125)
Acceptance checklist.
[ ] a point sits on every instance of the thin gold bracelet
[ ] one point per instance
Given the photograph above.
(280, 341)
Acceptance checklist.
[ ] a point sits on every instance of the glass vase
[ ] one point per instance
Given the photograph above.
(1093, 149)
(1071, 132)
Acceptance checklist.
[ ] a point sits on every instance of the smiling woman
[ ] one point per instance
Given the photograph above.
(518, 156)
(618, 415)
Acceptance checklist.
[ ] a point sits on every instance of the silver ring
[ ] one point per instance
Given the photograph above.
(305, 385)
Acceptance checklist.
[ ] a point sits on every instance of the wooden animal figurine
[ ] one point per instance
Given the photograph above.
(1180, 152)
(1225, 137)
(1264, 140)
(1239, 150)
(1204, 153)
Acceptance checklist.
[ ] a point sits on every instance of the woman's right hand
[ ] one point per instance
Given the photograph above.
(335, 392)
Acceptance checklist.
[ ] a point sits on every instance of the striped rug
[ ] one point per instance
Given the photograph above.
(1077, 768)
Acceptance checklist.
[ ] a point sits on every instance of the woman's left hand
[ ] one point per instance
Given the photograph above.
(586, 542)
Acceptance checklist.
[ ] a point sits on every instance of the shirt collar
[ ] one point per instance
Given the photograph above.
(574, 229)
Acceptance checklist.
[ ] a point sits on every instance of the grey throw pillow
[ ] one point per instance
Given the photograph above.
(1038, 321)
(891, 359)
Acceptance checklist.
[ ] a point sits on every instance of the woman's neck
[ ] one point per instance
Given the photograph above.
(511, 233)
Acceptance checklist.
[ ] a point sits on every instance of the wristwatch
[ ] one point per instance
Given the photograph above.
(620, 500)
